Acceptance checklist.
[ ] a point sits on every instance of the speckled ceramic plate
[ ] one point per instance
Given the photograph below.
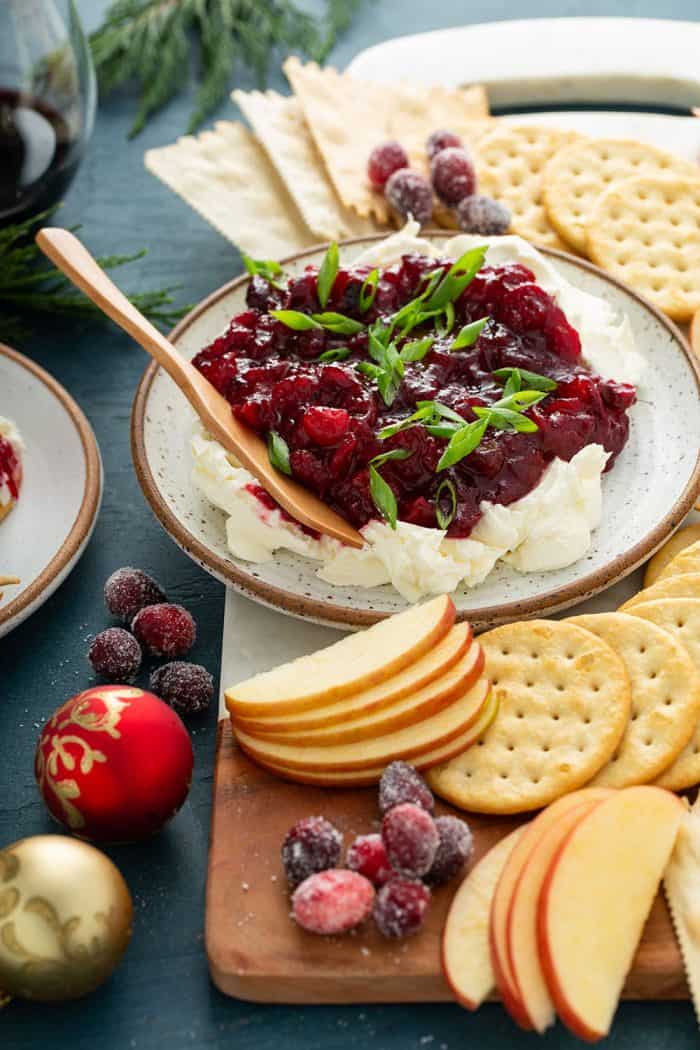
(653, 485)
(45, 533)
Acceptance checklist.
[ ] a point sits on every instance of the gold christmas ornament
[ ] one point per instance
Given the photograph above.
(65, 918)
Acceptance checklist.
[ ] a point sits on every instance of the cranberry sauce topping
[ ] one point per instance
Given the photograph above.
(306, 387)
(10, 468)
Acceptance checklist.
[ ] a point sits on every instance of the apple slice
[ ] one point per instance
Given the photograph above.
(521, 922)
(429, 668)
(498, 926)
(365, 777)
(404, 743)
(355, 662)
(408, 711)
(595, 899)
(466, 957)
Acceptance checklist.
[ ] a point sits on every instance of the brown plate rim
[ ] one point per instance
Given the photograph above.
(85, 519)
(347, 616)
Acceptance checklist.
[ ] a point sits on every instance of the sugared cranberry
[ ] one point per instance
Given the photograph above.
(188, 688)
(440, 140)
(453, 175)
(115, 654)
(482, 215)
(326, 426)
(384, 160)
(401, 907)
(401, 782)
(128, 590)
(165, 630)
(409, 193)
(411, 839)
(367, 855)
(312, 845)
(333, 901)
(453, 851)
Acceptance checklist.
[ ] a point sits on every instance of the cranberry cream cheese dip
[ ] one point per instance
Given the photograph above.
(458, 403)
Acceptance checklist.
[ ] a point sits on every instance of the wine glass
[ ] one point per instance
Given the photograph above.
(47, 103)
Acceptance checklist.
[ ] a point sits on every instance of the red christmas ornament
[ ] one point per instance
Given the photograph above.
(114, 764)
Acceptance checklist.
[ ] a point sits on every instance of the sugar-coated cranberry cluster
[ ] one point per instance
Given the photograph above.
(388, 874)
(157, 627)
(452, 180)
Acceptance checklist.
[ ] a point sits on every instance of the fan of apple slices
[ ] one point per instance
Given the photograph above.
(411, 687)
(540, 916)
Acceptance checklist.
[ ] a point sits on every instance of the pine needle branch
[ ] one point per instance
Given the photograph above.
(30, 286)
(154, 42)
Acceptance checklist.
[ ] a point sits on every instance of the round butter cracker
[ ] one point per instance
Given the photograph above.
(664, 556)
(686, 561)
(646, 231)
(685, 585)
(564, 702)
(665, 687)
(577, 175)
(509, 165)
(680, 617)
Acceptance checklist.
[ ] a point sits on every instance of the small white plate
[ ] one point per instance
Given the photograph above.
(44, 535)
(645, 497)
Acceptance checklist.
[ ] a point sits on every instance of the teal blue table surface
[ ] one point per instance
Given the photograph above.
(161, 996)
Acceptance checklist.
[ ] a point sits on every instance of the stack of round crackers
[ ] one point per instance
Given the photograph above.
(609, 699)
(630, 207)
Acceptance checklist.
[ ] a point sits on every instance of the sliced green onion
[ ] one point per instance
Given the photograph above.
(444, 520)
(327, 274)
(278, 452)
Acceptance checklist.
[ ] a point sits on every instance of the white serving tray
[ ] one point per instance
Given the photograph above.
(544, 61)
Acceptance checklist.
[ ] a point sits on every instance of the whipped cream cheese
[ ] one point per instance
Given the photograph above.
(9, 431)
(547, 529)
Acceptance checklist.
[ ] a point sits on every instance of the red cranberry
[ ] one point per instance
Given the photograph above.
(332, 901)
(115, 654)
(482, 215)
(401, 907)
(440, 140)
(312, 845)
(367, 855)
(303, 291)
(128, 590)
(411, 839)
(453, 175)
(618, 396)
(384, 160)
(400, 782)
(326, 426)
(561, 337)
(453, 851)
(525, 308)
(409, 193)
(218, 370)
(188, 688)
(165, 630)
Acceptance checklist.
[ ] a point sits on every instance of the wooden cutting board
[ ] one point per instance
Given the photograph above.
(257, 952)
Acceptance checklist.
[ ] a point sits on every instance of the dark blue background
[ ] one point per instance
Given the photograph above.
(161, 995)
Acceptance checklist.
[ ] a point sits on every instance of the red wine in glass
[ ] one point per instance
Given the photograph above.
(39, 155)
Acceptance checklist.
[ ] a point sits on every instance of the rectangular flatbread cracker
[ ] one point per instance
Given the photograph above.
(226, 176)
(281, 129)
(348, 118)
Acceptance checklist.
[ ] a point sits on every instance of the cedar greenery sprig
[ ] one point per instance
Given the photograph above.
(151, 42)
(30, 286)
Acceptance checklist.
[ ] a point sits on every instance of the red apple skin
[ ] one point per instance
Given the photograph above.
(511, 1001)
(564, 1011)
